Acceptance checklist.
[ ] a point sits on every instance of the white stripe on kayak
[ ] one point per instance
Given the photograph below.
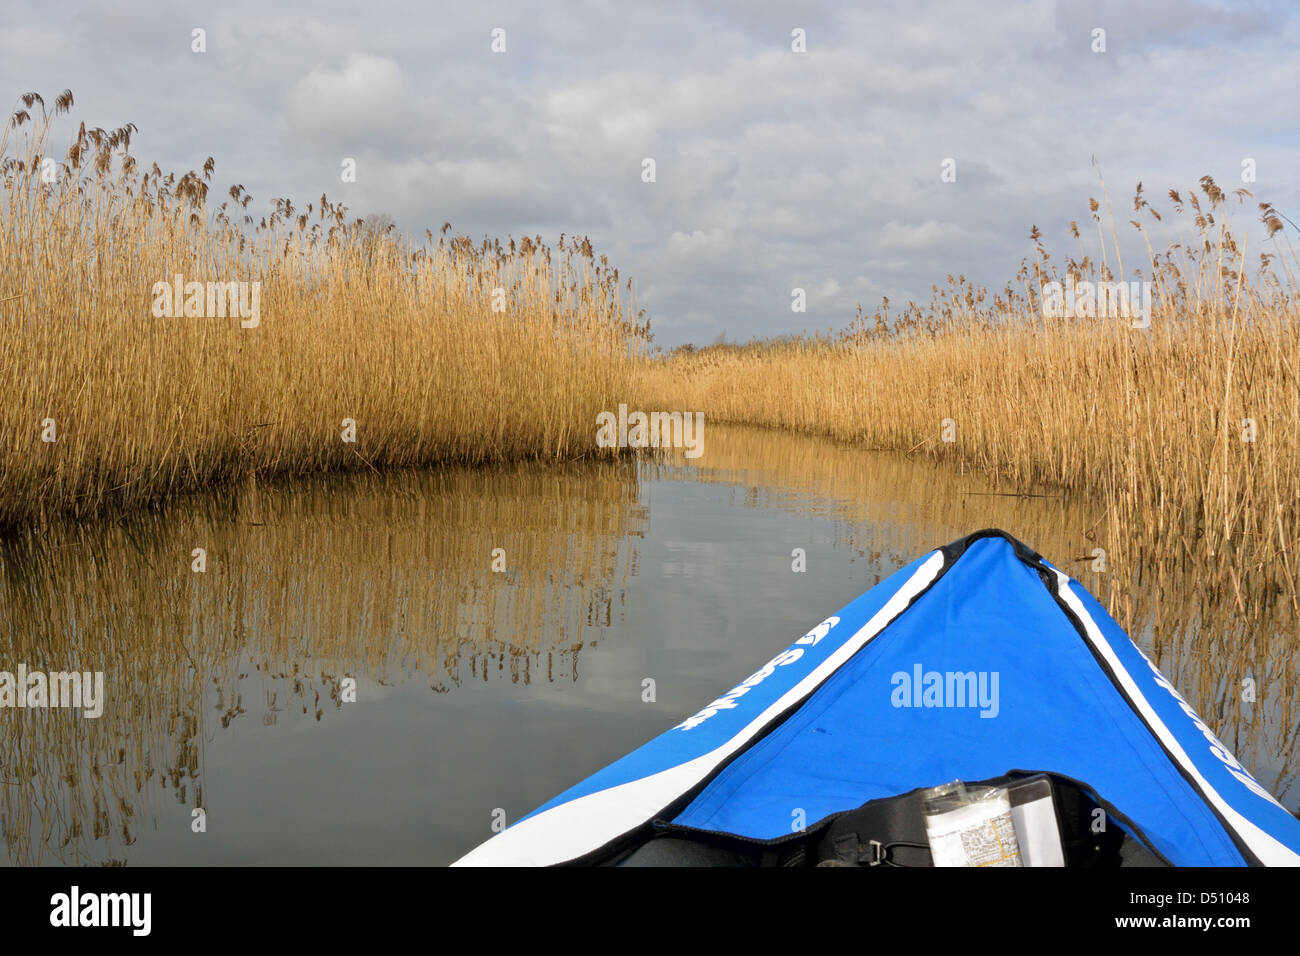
(1263, 844)
(587, 823)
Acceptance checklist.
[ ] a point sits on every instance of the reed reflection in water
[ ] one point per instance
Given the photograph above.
(677, 569)
(378, 577)
(1219, 646)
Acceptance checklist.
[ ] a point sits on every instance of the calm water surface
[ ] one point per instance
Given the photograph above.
(478, 692)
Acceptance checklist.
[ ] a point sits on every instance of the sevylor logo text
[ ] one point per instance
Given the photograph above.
(791, 654)
(1217, 747)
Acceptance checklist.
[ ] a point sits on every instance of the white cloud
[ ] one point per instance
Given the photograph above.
(922, 235)
(775, 169)
(360, 97)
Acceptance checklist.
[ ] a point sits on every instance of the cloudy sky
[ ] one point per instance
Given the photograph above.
(774, 169)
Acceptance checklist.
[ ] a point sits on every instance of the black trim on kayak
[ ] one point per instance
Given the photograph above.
(951, 552)
(810, 835)
(1112, 811)
(1047, 575)
(642, 832)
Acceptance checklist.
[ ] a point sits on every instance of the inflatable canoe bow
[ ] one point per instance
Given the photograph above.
(978, 662)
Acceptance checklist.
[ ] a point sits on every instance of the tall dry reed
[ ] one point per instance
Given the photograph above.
(452, 351)
(1187, 432)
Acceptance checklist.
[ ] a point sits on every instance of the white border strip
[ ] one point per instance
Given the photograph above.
(1263, 844)
(580, 826)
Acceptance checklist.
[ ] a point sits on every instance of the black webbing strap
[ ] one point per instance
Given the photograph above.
(891, 831)
(885, 832)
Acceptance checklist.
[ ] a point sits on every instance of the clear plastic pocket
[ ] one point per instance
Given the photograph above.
(969, 827)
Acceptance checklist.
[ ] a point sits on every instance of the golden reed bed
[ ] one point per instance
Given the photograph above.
(1187, 430)
(111, 396)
